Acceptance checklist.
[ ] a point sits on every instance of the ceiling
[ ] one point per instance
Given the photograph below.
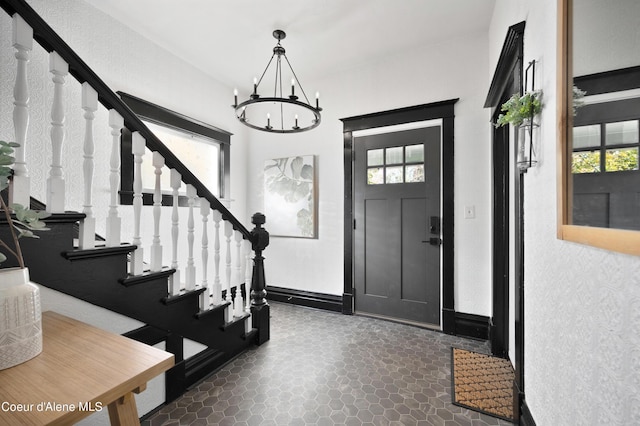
(231, 39)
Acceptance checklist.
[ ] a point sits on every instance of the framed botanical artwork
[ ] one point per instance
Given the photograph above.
(290, 196)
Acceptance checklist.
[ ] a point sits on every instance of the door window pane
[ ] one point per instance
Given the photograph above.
(414, 173)
(585, 162)
(394, 155)
(586, 136)
(375, 176)
(394, 174)
(618, 160)
(622, 132)
(414, 154)
(375, 157)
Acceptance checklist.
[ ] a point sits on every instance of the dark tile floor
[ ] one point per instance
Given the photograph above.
(322, 368)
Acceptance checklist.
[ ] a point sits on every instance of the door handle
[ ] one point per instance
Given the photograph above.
(434, 241)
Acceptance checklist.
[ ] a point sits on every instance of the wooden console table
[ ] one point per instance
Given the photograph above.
(81, 370)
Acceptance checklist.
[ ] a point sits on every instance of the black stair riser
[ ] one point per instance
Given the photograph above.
(43, 252)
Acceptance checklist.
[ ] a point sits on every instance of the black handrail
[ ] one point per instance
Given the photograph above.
(51, 41)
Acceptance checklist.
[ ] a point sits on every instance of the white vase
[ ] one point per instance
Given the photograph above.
(20, 318)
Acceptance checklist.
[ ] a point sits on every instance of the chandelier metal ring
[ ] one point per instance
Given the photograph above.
(241, 110)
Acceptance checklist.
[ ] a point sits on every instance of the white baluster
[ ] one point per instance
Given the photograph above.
(55, 183)
(87, 234)
(238, 306)
(228, 232)
(248, 273)
(116, 122)
(217, 284)
(205, 297)
(23, 43)
(174, 280)
(156, 248)
(137, 147)
(191, 269)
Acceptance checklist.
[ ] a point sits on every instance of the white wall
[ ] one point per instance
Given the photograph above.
(582, 313)
(429, 74)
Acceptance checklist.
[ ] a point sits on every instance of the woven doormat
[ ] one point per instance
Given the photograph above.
(482, 383)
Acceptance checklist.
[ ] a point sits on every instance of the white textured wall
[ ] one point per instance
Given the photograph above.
(582, 338)
(428, 74)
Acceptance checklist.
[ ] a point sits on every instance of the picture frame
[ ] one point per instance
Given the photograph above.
(290, 196)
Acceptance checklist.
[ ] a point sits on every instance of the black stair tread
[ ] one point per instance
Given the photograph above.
(203, 357)
(183, 296)
(146, 276)
(68, 217)
(234, 321)
(98, 252)
(214, 309)
(203, 364)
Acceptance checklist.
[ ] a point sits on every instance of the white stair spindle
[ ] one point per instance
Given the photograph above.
(237, 303)
(205, 297)
(23, 43)
(190, 283)
(228, 233)
(55, 183)
(138, 145)
(247, 285)
(114, 223)
(156, 248)
(174, 280)
(217, 283)
(87, 234)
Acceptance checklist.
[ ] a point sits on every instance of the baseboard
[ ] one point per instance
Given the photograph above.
(328, 302)
(526, 418)
(471, 325)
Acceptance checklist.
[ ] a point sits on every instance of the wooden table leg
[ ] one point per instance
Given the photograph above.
(123, 411)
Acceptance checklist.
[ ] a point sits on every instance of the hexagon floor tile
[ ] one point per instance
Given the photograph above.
(324, 368)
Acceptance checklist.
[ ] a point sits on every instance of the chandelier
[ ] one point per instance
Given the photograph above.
(278, 114)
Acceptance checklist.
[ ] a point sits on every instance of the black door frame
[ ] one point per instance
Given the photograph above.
(508, 78)
(499, 322)
(438, 110)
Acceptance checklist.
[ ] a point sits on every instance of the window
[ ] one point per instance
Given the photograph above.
(201, 155)
(401, 164)
(204, 149)
(606, 147)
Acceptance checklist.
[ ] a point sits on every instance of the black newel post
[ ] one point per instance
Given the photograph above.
(259, 305)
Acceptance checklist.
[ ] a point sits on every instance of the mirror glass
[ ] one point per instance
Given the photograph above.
(604, 143)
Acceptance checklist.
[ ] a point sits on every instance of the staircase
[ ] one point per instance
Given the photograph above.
(226, 310)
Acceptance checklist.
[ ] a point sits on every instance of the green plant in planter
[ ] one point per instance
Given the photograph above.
(26, 221)
(519, 109)
(578, 101)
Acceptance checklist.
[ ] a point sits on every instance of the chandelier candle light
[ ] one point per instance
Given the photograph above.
(290, 113)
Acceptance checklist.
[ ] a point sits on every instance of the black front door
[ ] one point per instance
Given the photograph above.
(397, 188)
